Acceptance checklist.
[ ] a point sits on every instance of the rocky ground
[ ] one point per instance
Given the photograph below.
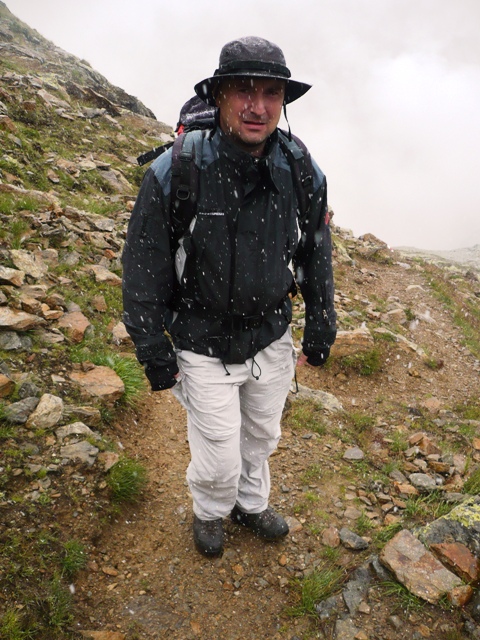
(376, 472)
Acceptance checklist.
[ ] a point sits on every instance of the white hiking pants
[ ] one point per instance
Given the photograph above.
(233, 426)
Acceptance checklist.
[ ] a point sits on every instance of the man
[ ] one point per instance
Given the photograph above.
(224, 295)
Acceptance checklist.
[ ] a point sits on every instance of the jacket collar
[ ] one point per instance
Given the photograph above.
(251, 168)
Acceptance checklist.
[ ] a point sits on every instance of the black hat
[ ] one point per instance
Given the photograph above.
(253, 57)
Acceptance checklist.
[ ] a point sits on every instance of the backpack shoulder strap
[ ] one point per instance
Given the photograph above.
(300, 162)
(184, 183)
(154, 153)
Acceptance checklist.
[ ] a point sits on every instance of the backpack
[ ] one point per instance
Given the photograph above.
(196, 119)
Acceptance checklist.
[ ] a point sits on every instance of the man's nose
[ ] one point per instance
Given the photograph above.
(258, 103)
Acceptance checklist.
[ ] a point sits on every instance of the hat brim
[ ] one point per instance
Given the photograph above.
(205, 89)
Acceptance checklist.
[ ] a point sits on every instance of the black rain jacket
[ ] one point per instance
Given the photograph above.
(223, 291)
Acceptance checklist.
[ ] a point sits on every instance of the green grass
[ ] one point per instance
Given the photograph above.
(312, 474)
(319, 585)
(74, 558)
(399, 442)
(387, 532)
(426, 507)
(306, 415)
(360, 420)
(465, 312)
(472, 484)
(127, 479)
(365, 364)
(363, 525)
(403, 599)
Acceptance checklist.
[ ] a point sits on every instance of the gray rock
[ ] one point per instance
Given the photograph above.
(28, 390)
(382, 574)
(462, 524)
(345, 630)
(354, 453)
(329, 607)
(422, 482)
(18, 412)
(398, 476)
(10, 341)
(351, 540)
(475, 610)
(328, 402)
(356, 589)
(83, 451)
(48, 413)
(76, 428)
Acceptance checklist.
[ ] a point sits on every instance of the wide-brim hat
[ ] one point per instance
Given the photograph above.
(252, 57)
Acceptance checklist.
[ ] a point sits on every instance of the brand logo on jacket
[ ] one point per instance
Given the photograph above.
(211, 213)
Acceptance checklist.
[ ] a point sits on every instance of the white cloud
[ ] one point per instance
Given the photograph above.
(393, 115)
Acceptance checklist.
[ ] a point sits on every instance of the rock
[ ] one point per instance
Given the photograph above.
(100, 382)
(14, 277)
(427, 447)
(418, 569)
(356, 589)
(7, 386)
(19, 412)
(75, 325)
(459, 559)
(462, 525)
(327, 401)
(351, 540)
(351, 513)
(83, 451)
(88, 415)
(345, 629)
(18, 320)
(120, 335)
(354, 453)
(329, 607)
(422, 482)
(348, 343)
(30, 263)
(99, 304)
(476, 606)
(102, 274)
(28, 389)
(331, 537)
(294, 525)
(108, 459)
(48, 412)
(460, 596)
(76, 428)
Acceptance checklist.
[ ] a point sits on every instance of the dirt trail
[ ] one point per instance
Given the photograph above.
(145, 577)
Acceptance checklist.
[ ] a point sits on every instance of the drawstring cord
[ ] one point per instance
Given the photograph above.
(254, 362)
(227, 372)
(285, 114)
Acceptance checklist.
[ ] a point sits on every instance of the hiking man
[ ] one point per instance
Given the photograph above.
(222, 291)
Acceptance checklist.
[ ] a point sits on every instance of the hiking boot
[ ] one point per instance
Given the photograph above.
(267, 524)
(208, 536)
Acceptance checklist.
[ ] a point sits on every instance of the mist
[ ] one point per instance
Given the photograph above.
(393, 115)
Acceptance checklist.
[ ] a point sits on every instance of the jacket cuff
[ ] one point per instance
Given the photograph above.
(161, 377)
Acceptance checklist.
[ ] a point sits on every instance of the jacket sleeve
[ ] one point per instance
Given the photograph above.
(314, 273)
(148, 272)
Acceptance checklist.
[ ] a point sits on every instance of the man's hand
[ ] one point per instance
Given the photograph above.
(316, 359)
(301, 360)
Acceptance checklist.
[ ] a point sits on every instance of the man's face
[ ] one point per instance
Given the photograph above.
(250, 109)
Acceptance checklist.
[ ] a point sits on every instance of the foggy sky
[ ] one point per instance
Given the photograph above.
(393, 118)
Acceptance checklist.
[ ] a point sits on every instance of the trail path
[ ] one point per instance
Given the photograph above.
(145, 577)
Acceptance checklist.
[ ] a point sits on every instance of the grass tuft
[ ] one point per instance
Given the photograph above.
(127, 479)
(472, 484)
(317, 586)
(74, 558)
